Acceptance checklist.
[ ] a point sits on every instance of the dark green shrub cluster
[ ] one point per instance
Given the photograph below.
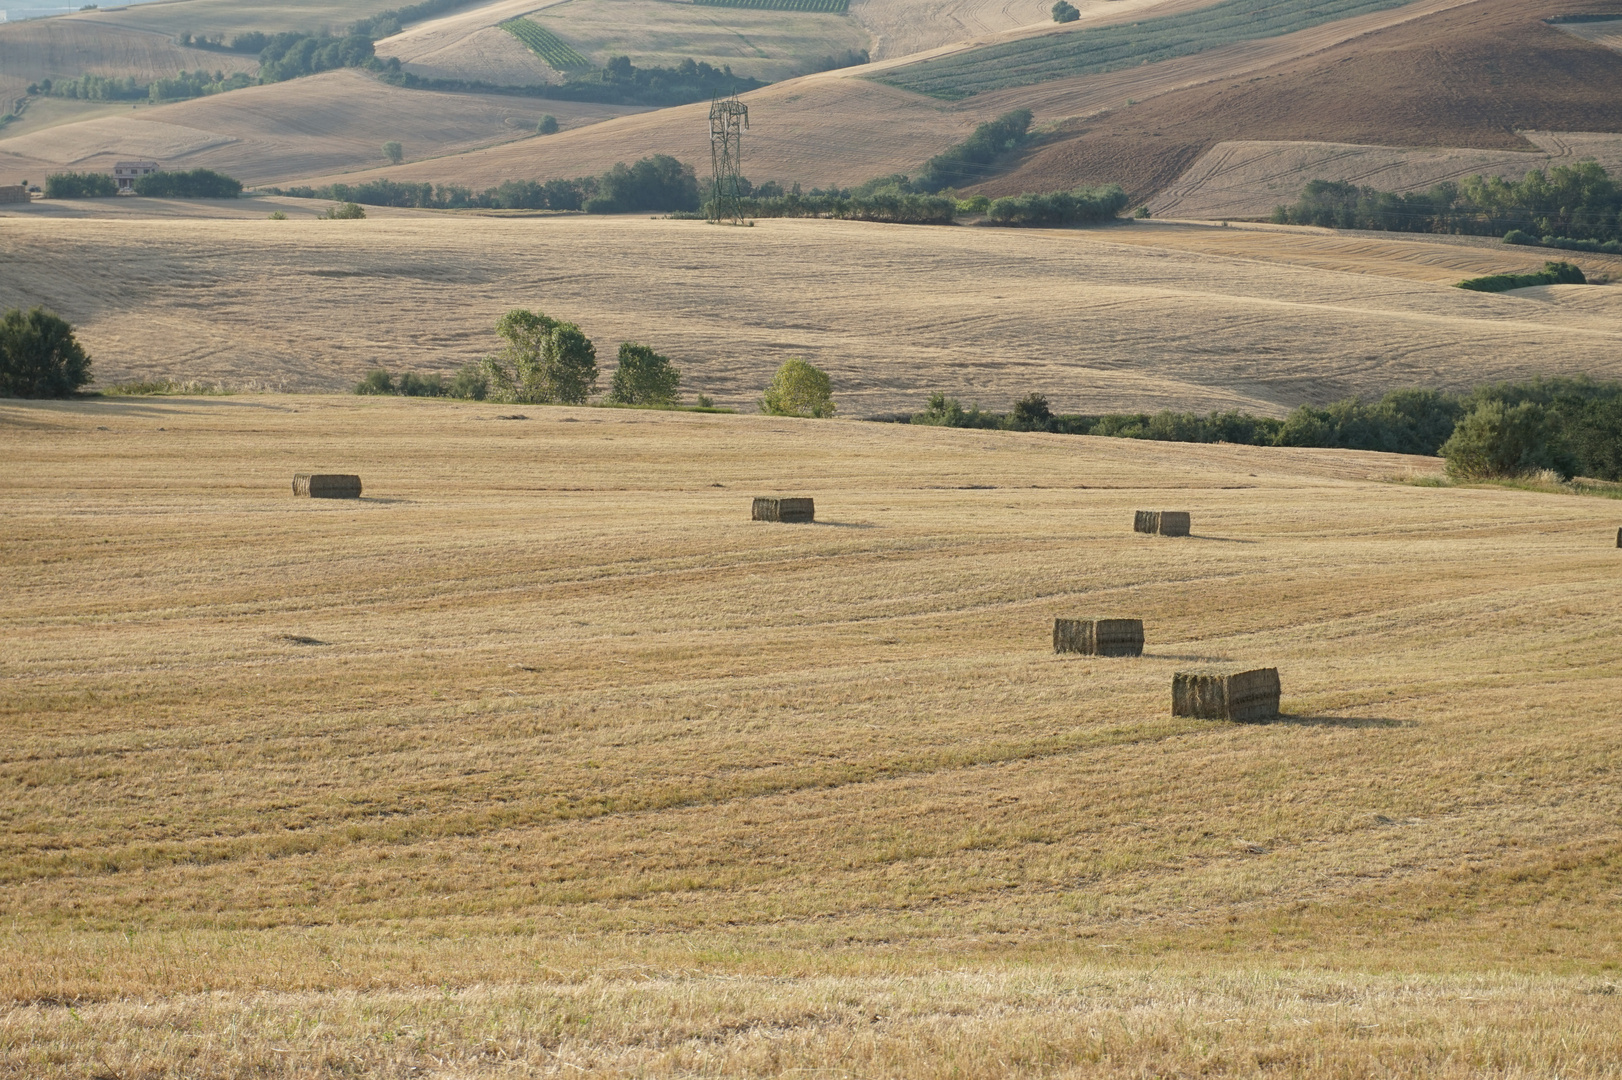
(888, 202)
(193, 84)
(835, 61)
(1573, 426)
(76, 185)
(619, 82)
(1064, 11)
(292, 54)
(196, 184)
(470, 383)
(92, 88)
(1553, 273)
(1078, 207)
(1565, 243)
(1574, 202)
(978, 156)
(39, 356)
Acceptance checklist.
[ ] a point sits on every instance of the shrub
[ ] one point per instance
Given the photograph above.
(1080, 206)
(799, 389)
(545, 361)
(39, 356)
(471, 383)
(1496, 440)
(348, 211)
(74, 185)
(196, 184)
(972, 159)
(659, 182)
(1553, 273)
(548, 125)
(1031, 413)
(394, 152)
(644, 377)
(1064, 11)
(413, 385)
(377, 381)
(277, 215)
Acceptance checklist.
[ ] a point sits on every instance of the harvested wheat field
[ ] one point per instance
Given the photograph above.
(1099, 320)
(543, 759)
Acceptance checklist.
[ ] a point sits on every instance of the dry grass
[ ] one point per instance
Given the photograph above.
(1098, 320)
(544, 757)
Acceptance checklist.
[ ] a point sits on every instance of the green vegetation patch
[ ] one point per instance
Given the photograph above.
(827, 7)
(1553, 273)
(557, 53)
(1109, 48)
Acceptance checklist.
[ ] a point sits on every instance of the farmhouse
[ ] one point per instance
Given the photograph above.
(127, 172)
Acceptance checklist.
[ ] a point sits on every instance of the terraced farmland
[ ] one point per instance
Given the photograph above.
(547, 45)
(831, 7)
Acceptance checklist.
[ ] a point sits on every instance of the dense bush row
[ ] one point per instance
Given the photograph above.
(77, 185)
(1574, 202)
(1573, 426)
(1079, 207)
(658, 183)
(618, 83)
(978, 156)
(1553, 273)
(196, 184)
(1565, 243)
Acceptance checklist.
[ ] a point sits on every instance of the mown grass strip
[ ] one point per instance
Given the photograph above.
(1109, 48)
(825, 7)
(557, 53)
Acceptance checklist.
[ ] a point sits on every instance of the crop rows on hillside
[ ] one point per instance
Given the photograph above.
(547, 45)
(828, 7)
(1109, 48)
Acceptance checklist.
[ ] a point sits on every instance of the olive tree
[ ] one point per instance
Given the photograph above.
(394, 152)
(799, 389)
(545, 362)
(644, 377)
(39, 356)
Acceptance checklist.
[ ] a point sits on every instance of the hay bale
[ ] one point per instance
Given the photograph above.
(793, 511)
(1098, 637)
(327, 485)
(1240, 696)
(1619, 538)
(1163, 522)
(13, 193)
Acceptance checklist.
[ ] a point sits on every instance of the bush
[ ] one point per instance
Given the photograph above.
(1553, 273)
(548, 125)
(471, 383)
(1031, 413)
(1080, 206)
(39, 356)
(1064, 11)
(344, 212)
(278, 215)
(196, 184)
(659, 182)
(377, 381)
(644, 377)
(1495, 440)
(976, 157)
(545, 361)
(413, 385)
(799, 389)
(394, 152)
(74, 185)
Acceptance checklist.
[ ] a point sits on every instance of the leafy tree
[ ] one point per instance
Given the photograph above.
(414, 385)
(659, 182)
(394, 152)
(1499, 440)
(196, 184)
(548, 125)
(799, 389)
(345, 211)
(1064, 11)
(39, 356)
(471, 383)
(644, 377)
(73, 185)
(972, 159)
(545, 361)
(377, 381)
(1031, 413)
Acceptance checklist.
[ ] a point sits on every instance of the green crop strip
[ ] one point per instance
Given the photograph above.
(825, 7)
(1109, 48)
(548, 46)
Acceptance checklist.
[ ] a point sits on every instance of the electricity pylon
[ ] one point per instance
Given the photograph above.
(729, 117)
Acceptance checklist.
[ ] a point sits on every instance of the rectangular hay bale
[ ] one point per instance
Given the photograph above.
(1098, 637)
(1239, 696)
(1162, 522)
(327, 485)
(794, 511)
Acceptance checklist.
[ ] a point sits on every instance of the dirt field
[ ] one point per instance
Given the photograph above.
(1098, 320)
(1248, 179)
(543, 759)
(328, 123)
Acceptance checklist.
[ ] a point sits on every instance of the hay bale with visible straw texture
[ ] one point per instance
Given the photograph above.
(794, 511)
(1161, 522)
(1239, 696)
(1098, 637)
(327, 485)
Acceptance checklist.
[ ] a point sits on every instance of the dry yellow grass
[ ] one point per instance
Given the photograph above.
(1099, 320)
(543, 758)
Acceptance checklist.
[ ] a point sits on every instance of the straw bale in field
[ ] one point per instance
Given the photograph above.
(1099, 637)
(327, 485)
(790, 510)
(1619, 538)
(1164, 522)
(11, 193)
(1243, 696)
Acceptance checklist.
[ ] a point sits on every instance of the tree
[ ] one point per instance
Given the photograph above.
(548, 125)
(39, 356)
(377, 381)
(348, 211)
(394, 152)
(1064, 11)
(1031, 413)
(545, 361)
(1499, 440)
(799, 389)
(644, 377)
(72, 185)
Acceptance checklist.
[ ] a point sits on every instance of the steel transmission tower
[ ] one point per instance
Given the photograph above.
(729, 117)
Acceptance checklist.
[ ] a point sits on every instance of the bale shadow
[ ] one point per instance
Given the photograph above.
(845, 524)
(1343, 721)
(1220, 539)
(1190, 658)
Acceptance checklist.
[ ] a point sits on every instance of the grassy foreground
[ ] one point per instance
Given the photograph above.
(542, 759)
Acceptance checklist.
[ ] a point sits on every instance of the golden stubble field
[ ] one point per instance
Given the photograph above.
(1144, 316)
(542, 759)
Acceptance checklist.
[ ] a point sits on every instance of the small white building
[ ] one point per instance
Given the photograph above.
(127, 172)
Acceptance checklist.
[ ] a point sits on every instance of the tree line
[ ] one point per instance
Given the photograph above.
(1571, 202)
(193, 184)
(619, 82)
(1570, 425)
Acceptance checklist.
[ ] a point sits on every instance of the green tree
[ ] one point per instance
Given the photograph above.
(1499, 440)
(72, 185)
(377, 381)
(799, 389)
(394, 152)
(1031, 413)
(545, 361)
(39, 356)
(1064, 11)
(548, 125)
(348, 211)
(644, 377)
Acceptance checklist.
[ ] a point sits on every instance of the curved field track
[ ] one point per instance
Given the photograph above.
(66, 48)
(1469, 77)
(1097, 320)
(327, 123)
(1248, 179)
